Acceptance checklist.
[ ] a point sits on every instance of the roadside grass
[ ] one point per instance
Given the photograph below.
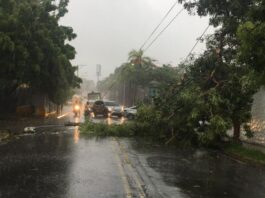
(245, 154)
(5, 135)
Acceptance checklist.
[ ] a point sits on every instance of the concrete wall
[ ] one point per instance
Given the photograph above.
(258, 112)
(30, 103)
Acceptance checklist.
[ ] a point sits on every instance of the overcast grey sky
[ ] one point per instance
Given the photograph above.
(108, 29)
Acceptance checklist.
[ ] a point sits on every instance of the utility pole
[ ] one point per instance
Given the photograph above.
(78, 72)
(98, 73)
(124, 93)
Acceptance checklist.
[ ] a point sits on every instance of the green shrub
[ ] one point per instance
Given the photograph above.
(103, 129)
(149, 122)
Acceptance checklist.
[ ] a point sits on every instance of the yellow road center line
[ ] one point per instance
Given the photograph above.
(135, 177)
(123, 176)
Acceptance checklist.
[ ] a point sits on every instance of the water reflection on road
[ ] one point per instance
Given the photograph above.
(63, 163)
(59, 164)
(76, 134)
(109, 120)
(36, 166)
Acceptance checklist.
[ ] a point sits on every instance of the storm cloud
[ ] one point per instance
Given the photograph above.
(108, 29)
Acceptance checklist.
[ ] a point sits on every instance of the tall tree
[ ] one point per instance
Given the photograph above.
(231, 81)
(251, 35)
(34, 49)
(138, 73)
(138, 58)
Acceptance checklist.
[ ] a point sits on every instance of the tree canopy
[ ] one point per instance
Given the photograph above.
(34, 48)
(137, 74)
(251, 36)
(208, 95)
(217, 90)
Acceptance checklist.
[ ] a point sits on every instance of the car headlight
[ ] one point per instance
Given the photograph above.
(110, 108)
(77, 107)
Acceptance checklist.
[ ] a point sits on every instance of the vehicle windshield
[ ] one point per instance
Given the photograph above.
(110, 103)
(99, 102)
(93, 96)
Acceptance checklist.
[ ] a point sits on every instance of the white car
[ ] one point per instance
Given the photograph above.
(114, 108)
(130, 112)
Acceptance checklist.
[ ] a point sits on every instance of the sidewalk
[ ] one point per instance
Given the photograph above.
(17, 125)
(256, 142)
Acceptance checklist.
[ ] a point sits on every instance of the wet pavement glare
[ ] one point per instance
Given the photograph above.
(59, 162)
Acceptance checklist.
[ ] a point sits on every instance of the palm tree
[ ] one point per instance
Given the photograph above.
(139, 68)
(138, 58)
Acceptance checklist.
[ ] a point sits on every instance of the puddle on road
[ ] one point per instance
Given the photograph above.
(202, 173)
(196, 173)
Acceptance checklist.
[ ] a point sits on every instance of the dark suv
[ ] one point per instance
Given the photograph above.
(99, 108)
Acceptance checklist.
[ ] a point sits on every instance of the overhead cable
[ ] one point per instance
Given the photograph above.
(162, 31)
(153, 32)
(198, 40)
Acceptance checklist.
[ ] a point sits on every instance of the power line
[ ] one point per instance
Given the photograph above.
(161, 32)
(198, 40)
(173, 6)
(190, 79)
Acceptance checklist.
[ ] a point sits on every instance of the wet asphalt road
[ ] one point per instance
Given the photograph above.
(58, 162)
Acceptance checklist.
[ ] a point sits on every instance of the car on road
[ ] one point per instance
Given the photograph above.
(114, 108)
(130, 112)
(90, 103)
(99, 108)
